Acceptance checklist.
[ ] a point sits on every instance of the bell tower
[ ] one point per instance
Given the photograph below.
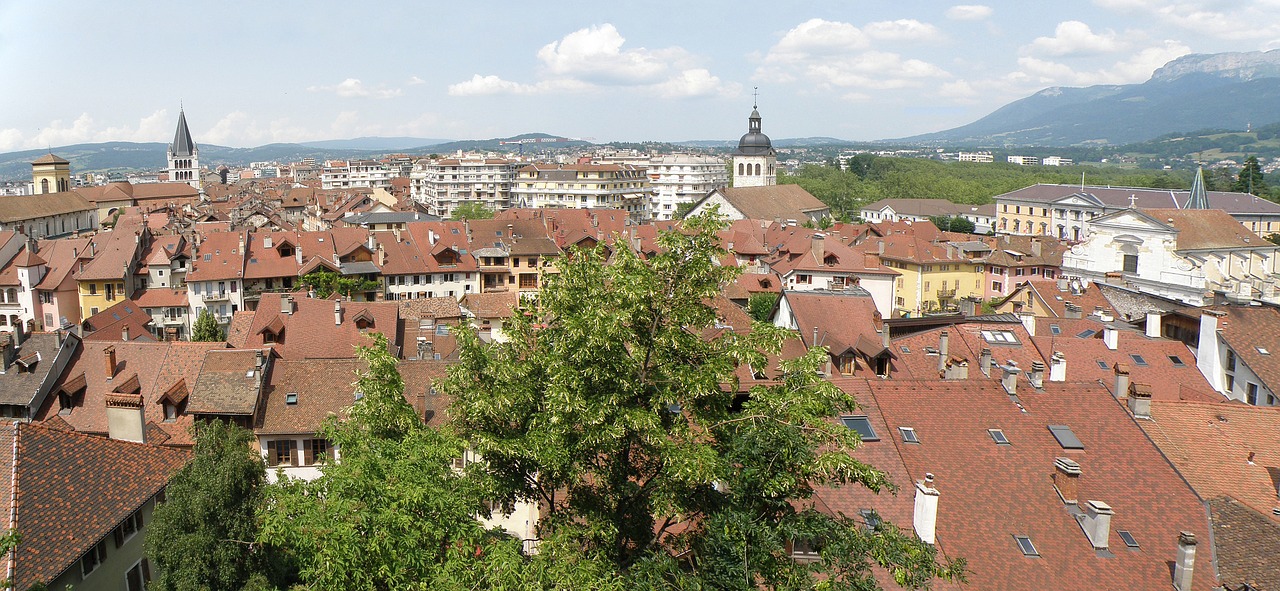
(50, 174)
(184, 156)
(755, 162)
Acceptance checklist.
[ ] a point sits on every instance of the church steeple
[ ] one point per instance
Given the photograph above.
(184, 156)
(1198, 199)
(755, 162)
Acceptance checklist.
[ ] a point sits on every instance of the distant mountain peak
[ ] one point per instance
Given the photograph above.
(1241, 65)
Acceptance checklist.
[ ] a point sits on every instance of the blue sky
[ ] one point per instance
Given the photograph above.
(251, 73)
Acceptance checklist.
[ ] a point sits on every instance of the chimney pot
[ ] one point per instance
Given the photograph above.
(124, 333)
(1066, 479)
(109, 357)
(1058, 367)
(943, 346)
(1037, 375)
(1140, 400)
(1010, 378)
(1184, 567)
(337, 313)
(984, 362)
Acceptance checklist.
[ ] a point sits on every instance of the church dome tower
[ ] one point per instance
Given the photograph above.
(184, 156)
(754, 162)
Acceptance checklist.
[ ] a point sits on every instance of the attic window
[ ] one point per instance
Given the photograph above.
(208, 257)
(291, 398)
(1263, 350)
(1128, 538)
(1000, 336)
(1055, 329)
(1102, 364)
(1024, 544)
(997, 435)
(870, 519)
(862, 425)
(905, 349)
(1177, 361)
(1066, 438)
(1138, 360)
(1086, 334)
(909, 435)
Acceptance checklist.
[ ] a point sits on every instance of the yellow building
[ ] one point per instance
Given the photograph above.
(934, 277)
(50, 174)
(109, 276)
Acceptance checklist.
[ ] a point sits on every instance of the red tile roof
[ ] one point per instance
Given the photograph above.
(68, 490)
(311, 332)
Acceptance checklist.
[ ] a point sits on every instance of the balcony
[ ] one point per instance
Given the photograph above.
(216, 296)
(946, 294)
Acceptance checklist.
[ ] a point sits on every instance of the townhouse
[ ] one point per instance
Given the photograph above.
(513, 253)
(216, 275)
(110, 272)
(932, 276)
(921, 210)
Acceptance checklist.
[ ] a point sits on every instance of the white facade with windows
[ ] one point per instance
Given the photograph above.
(453, 284)
(683, 178)
(584, 186)
(443, 185)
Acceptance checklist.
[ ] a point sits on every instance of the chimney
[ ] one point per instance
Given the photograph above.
(943, 350)
(925, 520)
(1058, 367)
(1153, 324)
(818, 245)
(1062, 284)
(109, 357)
(1183, 568)
(871, 260)
(1066, 479)
(1037, 375)
(124, 333)
(1035, 247)
(125, 420)
(266, 241)
(286, 304)
(337, 313)
(59, 337)
(382, 256)
(984, 362)
(884, 336)
(1072, 311)
(373, 242)
(1010, 378)
(1111, 337)
(241, 243)
(297, 253)
(259, 359)
(10, 353)
(19, 334)
(1028, 322)
(880, 248)
(1140, 401)
(1208, 350)
(1097, 523)
(1121, 390)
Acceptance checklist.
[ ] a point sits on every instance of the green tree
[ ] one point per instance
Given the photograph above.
(471, 210)
(953, 223)
(392, 514)
(1250, 179)
(206, 329)
(325, 283)
(1273, 238)
(760, 306)
(614, 419)
(203, 536)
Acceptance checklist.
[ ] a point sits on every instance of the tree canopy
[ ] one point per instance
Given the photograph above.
(206, 329)
(471, 210)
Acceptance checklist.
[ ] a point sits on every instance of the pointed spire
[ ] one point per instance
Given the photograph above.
(182, 144)
(1198, 199)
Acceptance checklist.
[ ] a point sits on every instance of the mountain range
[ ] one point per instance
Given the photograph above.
(1198, 91)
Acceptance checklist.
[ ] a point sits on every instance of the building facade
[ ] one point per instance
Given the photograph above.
(184, 156)
(683, 178)
(443, 185)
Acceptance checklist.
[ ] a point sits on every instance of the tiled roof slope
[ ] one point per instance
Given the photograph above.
(1212, 445)
(1207, 228)
(991, 493)
(311, 332)
(326, 387)
(1246, 546)
(72, 490)
(1168, 380)
(774, 202)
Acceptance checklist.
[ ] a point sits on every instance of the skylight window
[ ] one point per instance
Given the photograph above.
(862, 425)
(1102, 364)
(1000, 336)
(1024, 544)
(1086, 334)
(1128, 538)
(1055, 329)
(905, 349)
(997, 435)
(1138, 360)
(909, 435)
(291, 398)
(1177, 361)
(1066, 438)
(1263, 350)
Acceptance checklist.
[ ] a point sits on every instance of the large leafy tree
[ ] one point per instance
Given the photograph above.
(608, 407)
(206, 328)
(1250, 178)
(203, 536)
(471, 210)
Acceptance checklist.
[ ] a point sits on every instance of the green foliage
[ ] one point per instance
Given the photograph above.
(1250, 179)
(206, 329)
(614, 419)
(760, 305)
(683, 209)
(326, 283)
(392, 513)
(1273, 238)
(471, 211)
(953, 224)
(203, 536)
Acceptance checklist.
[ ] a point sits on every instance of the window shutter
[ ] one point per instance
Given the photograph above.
(271, 453)
(308, 452)
(119, 535)
(146, 570)
(139, 515)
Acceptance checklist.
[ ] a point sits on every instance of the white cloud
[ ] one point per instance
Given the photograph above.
(1229, 21)
(958, 89)
(155, 127)
(354, 88)
(968, 12)
(902, 30)
(414, 81)
(829, 54)
(1136, 69)
(593, 59)
(1075, 38)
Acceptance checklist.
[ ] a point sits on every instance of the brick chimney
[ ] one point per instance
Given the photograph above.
(1010, 378)
(1066, 479)
(109, 357)
(1140, 401)
(925, 519)
(1058, 367)
(1121, 389)
(1185, 565)
(984, 362)
(871, 260)
(1037, 375)
(818, 246)
(943, 350)
(1111, 337)
(1097, 523)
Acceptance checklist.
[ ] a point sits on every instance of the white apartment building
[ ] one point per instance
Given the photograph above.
(683, 178)
(1056, 161)
(584, 186)
(338, 174)
(1024, 160)
(443, 185)
(984, 157)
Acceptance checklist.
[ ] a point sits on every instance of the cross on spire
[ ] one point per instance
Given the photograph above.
(1133, 199)
(755, 93)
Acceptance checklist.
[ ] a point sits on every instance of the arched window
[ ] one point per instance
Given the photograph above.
(1016, 225)
(1004, 223)
(757, 170)
(740, 173)
(44, 185)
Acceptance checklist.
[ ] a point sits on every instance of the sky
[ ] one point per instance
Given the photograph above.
(253, 73)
